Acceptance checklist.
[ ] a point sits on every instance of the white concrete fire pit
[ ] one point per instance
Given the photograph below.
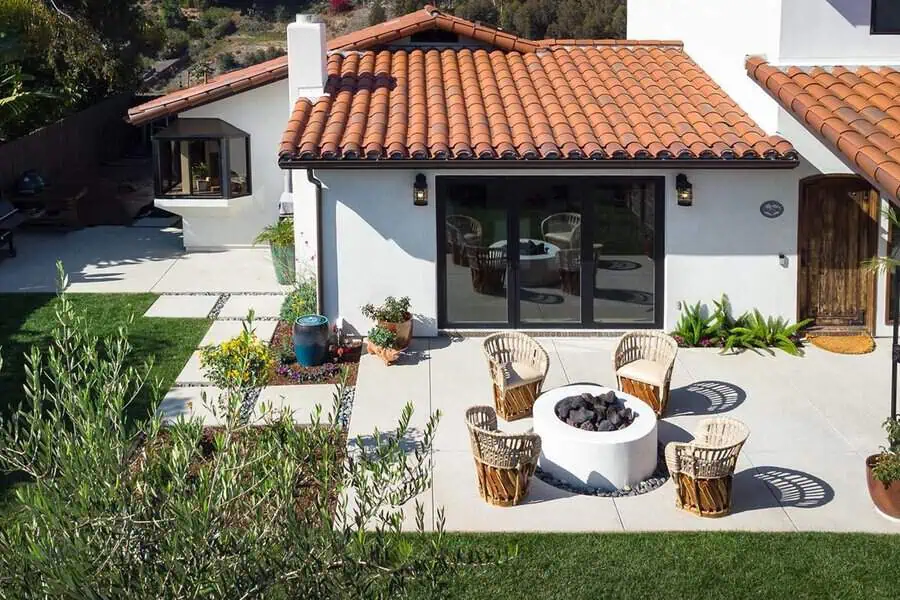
(602, 460)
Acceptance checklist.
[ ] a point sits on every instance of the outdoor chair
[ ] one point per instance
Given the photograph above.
(518, 367)
(463, 231)
(562, 229)
(488, 266)
(570, 271)
(643, 363)
(10, 220)
(504, 462)
(703, 470)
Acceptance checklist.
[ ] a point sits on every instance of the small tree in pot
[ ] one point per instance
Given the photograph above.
(883, 473)
(280, 237)
(393, 315)
(383, 343)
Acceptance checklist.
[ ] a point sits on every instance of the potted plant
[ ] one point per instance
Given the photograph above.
(280, 237)
(200, 174)
(383, 343)
(883, 473)
(394, 316)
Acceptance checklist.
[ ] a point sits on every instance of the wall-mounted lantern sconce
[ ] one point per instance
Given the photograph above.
(420, 191)
(684, 190)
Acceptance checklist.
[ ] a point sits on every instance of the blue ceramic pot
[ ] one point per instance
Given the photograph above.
(311, 340)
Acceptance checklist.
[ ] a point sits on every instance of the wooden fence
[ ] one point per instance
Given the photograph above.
(71, 149)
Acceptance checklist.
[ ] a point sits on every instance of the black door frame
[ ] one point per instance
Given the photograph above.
(513, 296)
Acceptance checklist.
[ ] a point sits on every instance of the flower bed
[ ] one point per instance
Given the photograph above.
(286, 371)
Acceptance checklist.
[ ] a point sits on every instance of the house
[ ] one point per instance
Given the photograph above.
(822, 74)
(633, 175)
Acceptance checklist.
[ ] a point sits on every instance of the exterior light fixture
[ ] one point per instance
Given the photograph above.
(420, 191)
(684, 190)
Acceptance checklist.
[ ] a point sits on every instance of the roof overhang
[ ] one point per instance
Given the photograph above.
(540, 164)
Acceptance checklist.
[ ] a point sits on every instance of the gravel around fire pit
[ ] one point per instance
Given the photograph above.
(656, 479)
(600, 413)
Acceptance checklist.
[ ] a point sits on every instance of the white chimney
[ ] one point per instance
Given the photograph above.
(307, 58)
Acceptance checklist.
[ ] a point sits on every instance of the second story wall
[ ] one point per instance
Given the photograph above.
(823, 32)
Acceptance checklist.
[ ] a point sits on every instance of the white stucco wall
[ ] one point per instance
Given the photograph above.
(822, 32)
(262, 113)
(376, 243)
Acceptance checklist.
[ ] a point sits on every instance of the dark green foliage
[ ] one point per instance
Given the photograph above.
(394, 310)
(481, 11)
(382, 337)
(694, 328)
(170, 14)
(887, 469)
(758, 332)
(377, 14)
(226, 61)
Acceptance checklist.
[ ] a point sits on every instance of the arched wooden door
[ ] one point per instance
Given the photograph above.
(838, 231)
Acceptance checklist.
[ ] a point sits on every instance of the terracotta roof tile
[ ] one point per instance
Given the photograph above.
(564, 101)
(855, 111)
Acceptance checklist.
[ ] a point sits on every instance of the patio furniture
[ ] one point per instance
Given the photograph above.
(562, 229)
(463, 231)
(570, 271)
(56, 207)
(504, 462)
(535, 270)
(703, 470)
(518, 366)
(643, 363)
(488, 266)
(10, 220)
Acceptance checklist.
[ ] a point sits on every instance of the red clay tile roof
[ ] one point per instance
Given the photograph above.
(623, 101)
(365, 39)
(855, 111)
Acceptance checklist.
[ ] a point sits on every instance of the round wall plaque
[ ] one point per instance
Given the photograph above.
(771, 209)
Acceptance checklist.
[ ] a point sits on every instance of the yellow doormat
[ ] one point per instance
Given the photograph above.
(860, 343)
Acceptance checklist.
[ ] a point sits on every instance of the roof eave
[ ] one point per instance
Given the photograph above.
(287, 162)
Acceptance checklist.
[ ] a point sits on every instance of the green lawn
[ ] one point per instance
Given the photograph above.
(28, 319)
(684, 566)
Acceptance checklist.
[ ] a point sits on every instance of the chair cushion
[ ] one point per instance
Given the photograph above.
(471, 238)
(645, 371)
(518, 373)
(560, 237)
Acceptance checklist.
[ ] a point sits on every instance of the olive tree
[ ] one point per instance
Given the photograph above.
(155, 510)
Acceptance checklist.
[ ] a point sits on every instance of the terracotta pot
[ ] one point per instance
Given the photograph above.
(403, 330)
(388, 355)
(885, 497)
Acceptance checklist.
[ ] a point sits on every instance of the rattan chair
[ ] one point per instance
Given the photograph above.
(518, 367)
(643, 364)
(463, 231)
(488, 267)
(703, 470)
(504, 462)
(562, 229)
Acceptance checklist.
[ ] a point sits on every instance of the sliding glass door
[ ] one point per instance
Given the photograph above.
(549, 252)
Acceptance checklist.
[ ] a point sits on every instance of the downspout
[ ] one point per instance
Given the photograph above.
(320, 283)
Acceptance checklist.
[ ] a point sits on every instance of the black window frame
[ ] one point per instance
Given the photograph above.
(873, 27)
(588, 319)
(203, 130)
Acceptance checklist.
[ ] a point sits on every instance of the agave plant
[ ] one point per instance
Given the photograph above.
(693, 329)
(758, 332)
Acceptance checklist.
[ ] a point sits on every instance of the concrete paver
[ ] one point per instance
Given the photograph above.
(182, 307)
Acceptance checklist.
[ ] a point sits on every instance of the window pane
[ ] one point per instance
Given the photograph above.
(475, 277)
(237, 155)
(550, 254)
(623, 251)
(885, 16)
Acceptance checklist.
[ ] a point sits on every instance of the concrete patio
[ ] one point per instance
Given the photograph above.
(813, 420)
(133, 260)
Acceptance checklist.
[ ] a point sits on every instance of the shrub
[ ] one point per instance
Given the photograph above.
(178, 511)
(693, 329)
(215, 15)
(240, 364)
(281, 233)
(382, 337)
(226, 62)
(377, 14)
(301, 301)
(393, 310)
(759, 332)
(223, 28)
(281, 14)
(253, 25)
(176, 44)
(887, 468)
